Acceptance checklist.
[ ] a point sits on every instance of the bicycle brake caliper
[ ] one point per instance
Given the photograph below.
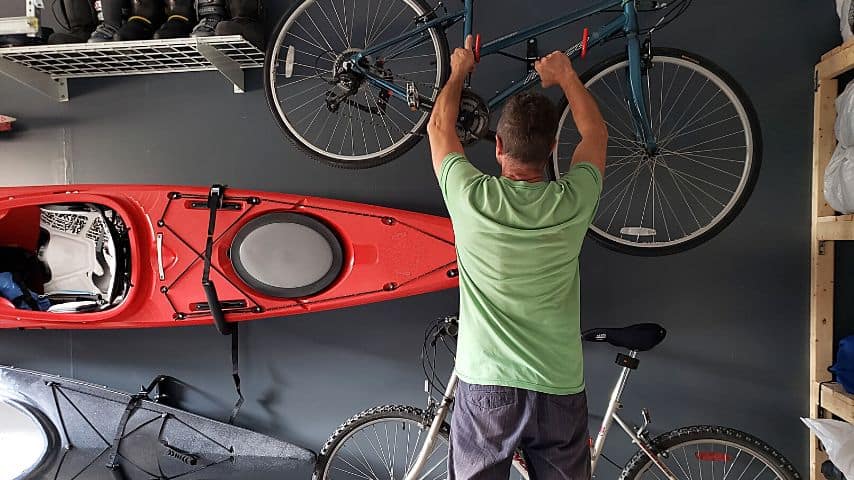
(646, 56)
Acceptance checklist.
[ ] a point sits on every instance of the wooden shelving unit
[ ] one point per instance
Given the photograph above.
(826, 398)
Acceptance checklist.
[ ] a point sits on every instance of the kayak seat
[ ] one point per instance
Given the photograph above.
(79, 251)
(287, 255)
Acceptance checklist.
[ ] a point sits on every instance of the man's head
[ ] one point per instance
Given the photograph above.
(526, 130)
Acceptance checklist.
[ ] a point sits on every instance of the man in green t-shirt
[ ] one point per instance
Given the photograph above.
(518, 239)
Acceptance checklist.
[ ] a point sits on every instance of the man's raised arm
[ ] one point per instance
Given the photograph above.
(442, 128)
(556, 69)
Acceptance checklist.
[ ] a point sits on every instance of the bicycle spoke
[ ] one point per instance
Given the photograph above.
(686, 157)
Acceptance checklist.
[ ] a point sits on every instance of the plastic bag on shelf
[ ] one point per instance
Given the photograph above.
(838, 440)
(844, 126)
(839, 180)
(843, 9)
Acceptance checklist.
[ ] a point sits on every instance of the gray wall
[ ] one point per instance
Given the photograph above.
(736, 308)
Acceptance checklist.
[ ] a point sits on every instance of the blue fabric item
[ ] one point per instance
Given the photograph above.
(844, 367)
(10, 290)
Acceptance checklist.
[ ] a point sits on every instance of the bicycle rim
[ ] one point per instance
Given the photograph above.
(368, 127)
(705, 168)
(713, 459)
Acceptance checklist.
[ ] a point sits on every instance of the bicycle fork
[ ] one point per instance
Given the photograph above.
(435, 427)
(637, 65)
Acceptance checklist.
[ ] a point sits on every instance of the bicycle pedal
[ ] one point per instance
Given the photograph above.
(412, 98)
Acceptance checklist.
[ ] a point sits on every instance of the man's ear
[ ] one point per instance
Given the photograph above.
(554, 146)
(499, 146)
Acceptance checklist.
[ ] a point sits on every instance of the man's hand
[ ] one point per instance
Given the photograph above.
(462, 60)
(554, 69)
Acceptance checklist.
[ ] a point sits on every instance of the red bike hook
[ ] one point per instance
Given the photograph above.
(477, 48)
(585, 37)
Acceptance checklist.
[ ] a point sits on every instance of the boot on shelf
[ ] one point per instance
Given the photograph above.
(146, 17)
(180, 18)
(80, 18)
(113, 12)
(210, 13)
(246, 20)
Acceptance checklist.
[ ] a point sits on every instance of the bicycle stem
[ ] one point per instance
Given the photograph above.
(435, 427)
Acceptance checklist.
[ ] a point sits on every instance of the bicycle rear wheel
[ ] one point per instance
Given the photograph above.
(710, 148)
(333, 112)
(711, 453)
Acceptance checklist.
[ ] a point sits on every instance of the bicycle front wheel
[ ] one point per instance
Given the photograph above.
(711, 453)
(334, 112)
(707, 162)
(383, 442)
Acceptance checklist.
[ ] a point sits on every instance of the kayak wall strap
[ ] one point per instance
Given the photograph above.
(235, 372)
(215, 203)
(215, 200)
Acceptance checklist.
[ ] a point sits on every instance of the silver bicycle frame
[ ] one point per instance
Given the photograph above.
(611, 416)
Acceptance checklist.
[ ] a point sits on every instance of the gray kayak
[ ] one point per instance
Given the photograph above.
(63, 429)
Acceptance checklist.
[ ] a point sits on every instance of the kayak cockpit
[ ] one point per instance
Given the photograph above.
(63, 258)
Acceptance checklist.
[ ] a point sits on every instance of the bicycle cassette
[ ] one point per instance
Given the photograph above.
(473, 122)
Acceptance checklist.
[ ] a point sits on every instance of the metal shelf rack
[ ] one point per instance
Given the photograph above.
(826, 398)
(47, 68)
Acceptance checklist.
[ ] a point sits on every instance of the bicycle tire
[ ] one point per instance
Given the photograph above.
(444, 71)
(752, 174)
(673, 439)
(383, 412)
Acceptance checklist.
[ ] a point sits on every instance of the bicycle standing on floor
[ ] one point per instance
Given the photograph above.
(399, 442)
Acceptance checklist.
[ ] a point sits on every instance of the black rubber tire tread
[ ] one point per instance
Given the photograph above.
(356, 421)
(445, 67)
(710, 432)
(752, 175)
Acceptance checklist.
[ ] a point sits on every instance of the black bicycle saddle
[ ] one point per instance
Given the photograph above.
(640, 337)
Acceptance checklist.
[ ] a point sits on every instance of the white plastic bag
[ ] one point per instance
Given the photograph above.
(843, 9)
(839, 180)
(844, 126)
(838, 440)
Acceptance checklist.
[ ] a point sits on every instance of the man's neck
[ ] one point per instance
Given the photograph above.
(524, 173)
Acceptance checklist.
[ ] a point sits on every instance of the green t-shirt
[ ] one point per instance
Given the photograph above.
(517, 248)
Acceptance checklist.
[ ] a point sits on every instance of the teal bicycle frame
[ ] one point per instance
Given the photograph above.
(627, 22)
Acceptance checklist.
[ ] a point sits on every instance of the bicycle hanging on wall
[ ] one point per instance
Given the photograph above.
(352, 83)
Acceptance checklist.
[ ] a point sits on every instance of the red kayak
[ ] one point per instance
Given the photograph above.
(129, 256)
